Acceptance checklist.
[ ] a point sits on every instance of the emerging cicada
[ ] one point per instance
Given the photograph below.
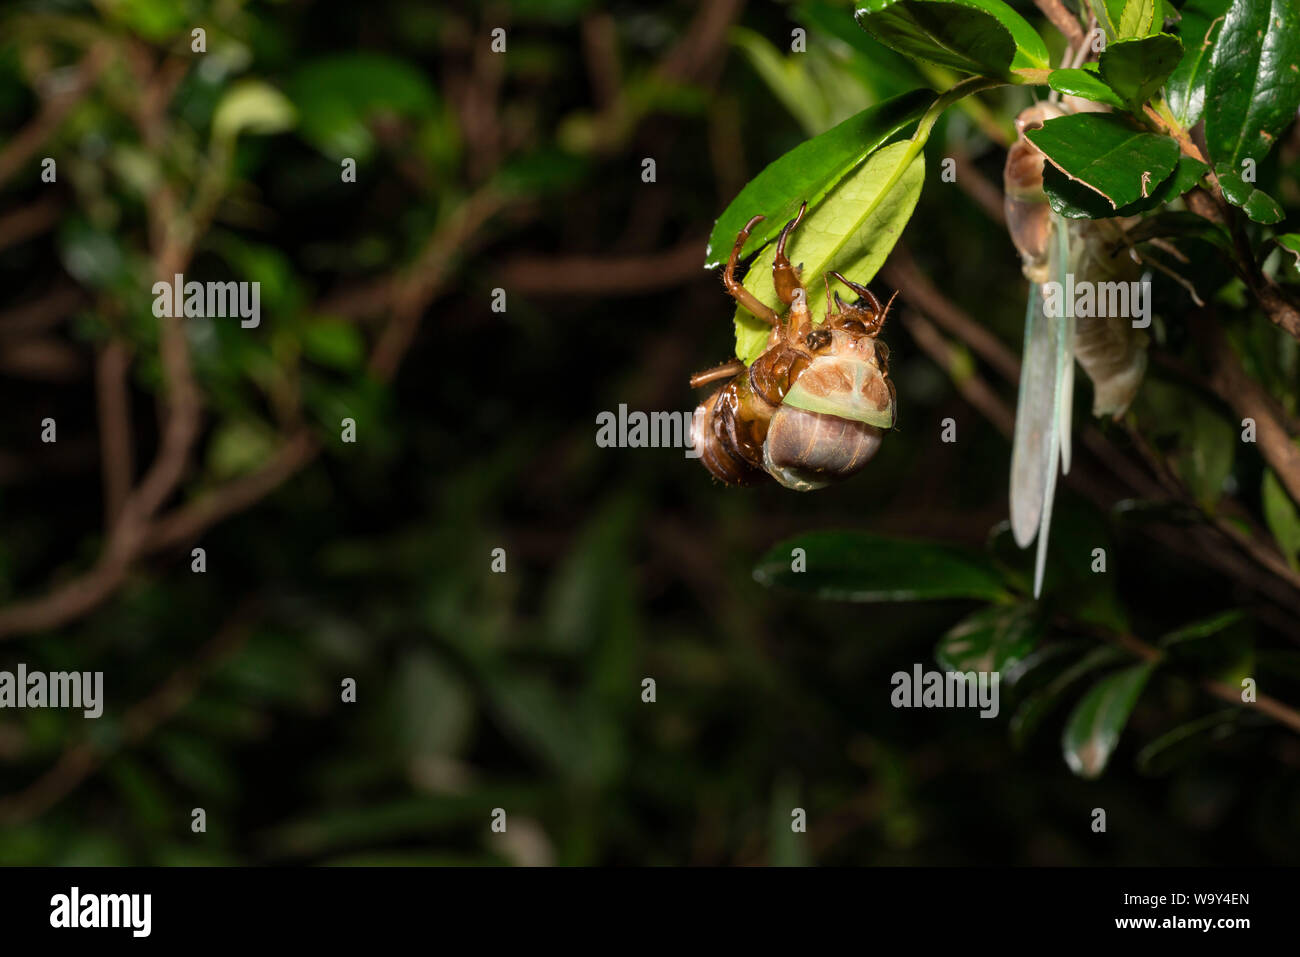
(1108, 348)
(813, 407)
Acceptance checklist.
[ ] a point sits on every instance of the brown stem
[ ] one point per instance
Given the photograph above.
(1063, 20)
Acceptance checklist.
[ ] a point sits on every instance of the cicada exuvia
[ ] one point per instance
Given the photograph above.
(813, 407)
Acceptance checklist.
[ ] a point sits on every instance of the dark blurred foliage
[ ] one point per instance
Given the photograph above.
(519, 690)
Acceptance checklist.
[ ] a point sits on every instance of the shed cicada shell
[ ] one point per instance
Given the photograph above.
(1108, 348)
(813, 407)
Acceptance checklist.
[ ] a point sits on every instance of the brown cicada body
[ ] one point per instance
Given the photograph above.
(813, 407)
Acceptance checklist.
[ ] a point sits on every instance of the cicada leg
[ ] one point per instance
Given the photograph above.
(734, 287)
(876, 318)
(724, 371)
(785, 277)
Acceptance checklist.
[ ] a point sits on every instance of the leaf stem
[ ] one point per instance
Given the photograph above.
(974, 84)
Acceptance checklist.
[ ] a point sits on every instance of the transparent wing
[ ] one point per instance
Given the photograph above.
(1042, 410)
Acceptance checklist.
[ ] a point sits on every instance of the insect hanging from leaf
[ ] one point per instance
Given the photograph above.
(810, 410)
(1070, 254)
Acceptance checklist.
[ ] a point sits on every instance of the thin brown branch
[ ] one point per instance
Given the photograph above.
(979, 188)
(52, 113)
(28, 221)
(901, 272)
(79, 762)
(972, 388)
(1063, 20)
(188, 522)
(606, 275)
(1249, 400)
(40, 315)
(422, 280)
(1282, 713)
(113, 400)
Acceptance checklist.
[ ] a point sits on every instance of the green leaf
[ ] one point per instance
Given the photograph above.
(809, 172)
(1039, 704)
(1204, 628)
(251, 106)
(1084, 83)
(1136, 69)
(337, 95)
(1291, 243)
(1109, 13)
(859, 566)
(1185, 89)
(984, 37)
(1073, 200)
(852, 231)
(1282, 518)
(1184, 742)
(334, 343)
(1094, 727)
(1104, 153)
(1253, 87)
(1255, 203)
(1136, 18)
(992, 639)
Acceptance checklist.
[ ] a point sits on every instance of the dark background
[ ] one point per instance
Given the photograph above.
(371, 560)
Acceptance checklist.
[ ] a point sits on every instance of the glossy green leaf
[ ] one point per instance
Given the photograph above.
(1253, 87)
(852, 231)
(1073, 200)
(983, 37)
(809, 172)
(1106, 154)
(860, 566)
(1255, 203)
(1136, 69)
(1093, 729)
(1031, 712)
(1136, 18)
(1185, 89)
(1291, 243)
(1109, 13)
(992, 639)
(1084, 83)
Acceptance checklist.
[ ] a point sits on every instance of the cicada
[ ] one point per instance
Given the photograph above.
(1110, 350)
(810, 410)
